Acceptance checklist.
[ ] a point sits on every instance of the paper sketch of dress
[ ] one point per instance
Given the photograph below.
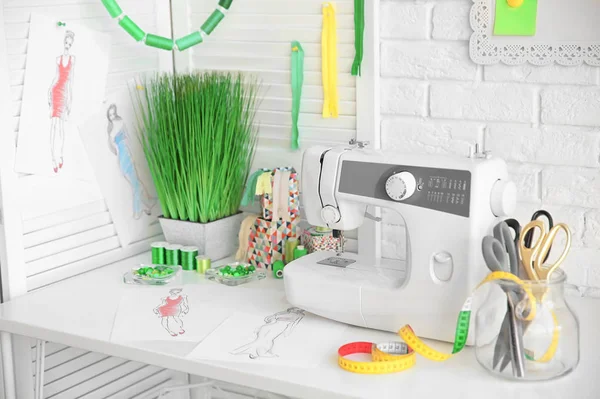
(171, 310)
(276, 325)
(118, 143)
(60, 99)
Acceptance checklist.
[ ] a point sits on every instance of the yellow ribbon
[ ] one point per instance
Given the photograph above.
(329, 62)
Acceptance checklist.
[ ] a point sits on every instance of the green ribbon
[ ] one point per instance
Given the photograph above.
(359, 33)
(250, 193)
(297, 82)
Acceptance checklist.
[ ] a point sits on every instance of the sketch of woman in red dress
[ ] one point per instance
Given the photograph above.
(60, 97)
(171, 310)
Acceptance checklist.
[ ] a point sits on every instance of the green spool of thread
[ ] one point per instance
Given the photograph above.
(300, 251)
(112, 7)
(225, 3)
(202, 264)
(131, 27)
(290, 246)
(158, 253)
(211, 23)
(173, 254)
(188, 258)
(188, 41)
(162, 42)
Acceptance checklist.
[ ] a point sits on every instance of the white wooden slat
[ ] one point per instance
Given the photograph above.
(344, 21)
(21, 13)
(308, 120)
(74, 214)
(51, 347)
(71, 256)
(56, 359)
(344, 36)
(267, 63)
(135, 381)
(280, 137)
(255, 49)
(308, 92)
(71, 367)
(307, 106)
(71, 242)
(142, 395)
(99, 379)
(65, 229)
(304, 7)
(20, 30)
(267, 78)
(94, 262)
(81, 376)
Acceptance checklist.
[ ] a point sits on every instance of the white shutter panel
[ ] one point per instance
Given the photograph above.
(67, 229)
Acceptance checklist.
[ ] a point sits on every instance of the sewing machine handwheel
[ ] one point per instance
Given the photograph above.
(400, 186)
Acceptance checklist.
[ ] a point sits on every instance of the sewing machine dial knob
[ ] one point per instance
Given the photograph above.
(400, 186)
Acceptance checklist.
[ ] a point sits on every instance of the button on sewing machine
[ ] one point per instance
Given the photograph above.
(442, 266)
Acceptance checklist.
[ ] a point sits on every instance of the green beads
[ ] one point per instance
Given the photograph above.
(112, 7)
(237, 271)
(188, 41)
(131, 27)
(156, 272)
(225, 3)
(159, 42)
(211, 23)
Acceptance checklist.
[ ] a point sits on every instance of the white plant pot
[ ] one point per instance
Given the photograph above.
(217, 240)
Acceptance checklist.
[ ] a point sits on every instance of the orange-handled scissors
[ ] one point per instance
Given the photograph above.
(533, 256)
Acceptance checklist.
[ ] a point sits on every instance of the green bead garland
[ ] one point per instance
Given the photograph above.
(166, 43)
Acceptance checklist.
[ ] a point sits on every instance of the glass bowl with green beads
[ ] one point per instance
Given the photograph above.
(235, 273)
(154, 274)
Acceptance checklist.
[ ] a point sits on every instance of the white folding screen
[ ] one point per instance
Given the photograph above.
(67, 228)
(255, 37)
(64, 225)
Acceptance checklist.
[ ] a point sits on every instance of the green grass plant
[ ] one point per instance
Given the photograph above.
(199, 137)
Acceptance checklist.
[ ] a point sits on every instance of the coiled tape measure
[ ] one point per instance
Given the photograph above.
(394, 357)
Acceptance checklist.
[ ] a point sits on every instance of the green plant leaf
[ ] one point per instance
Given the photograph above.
(199, 138)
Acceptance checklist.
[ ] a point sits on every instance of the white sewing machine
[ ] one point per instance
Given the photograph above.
(448, 204)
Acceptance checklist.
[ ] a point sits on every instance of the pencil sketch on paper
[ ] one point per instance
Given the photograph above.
(60, 97)
(171, 311)
(118, 143)
(265, 336)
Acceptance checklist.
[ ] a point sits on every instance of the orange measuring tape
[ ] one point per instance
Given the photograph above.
(394, 357)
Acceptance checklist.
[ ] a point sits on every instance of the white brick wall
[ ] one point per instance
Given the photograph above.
(545, 121)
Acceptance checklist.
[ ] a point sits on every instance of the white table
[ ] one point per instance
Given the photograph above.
(93, 299)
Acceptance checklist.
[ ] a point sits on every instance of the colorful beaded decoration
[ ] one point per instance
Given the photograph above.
(162, 42)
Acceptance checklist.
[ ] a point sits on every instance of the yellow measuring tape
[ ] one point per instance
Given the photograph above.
(399, 356)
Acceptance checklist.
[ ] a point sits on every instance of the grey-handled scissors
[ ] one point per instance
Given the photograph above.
(500, 254)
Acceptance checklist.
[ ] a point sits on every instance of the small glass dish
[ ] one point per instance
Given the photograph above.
(224, 275)
(142, 274)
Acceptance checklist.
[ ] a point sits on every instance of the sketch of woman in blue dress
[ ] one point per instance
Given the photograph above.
(118, 142)
(276, 325)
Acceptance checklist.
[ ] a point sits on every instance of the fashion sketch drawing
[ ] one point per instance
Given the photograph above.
(118, 143)
(276, 325)
(60, 98)
(171, 311)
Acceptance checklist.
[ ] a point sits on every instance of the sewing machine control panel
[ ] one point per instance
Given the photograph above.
(445, 190)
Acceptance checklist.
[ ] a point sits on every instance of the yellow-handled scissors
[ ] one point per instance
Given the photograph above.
(533, 255)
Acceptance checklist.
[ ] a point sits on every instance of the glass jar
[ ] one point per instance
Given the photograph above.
(549, 342)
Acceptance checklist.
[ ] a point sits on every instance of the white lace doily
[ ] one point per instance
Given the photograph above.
(484, 51)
